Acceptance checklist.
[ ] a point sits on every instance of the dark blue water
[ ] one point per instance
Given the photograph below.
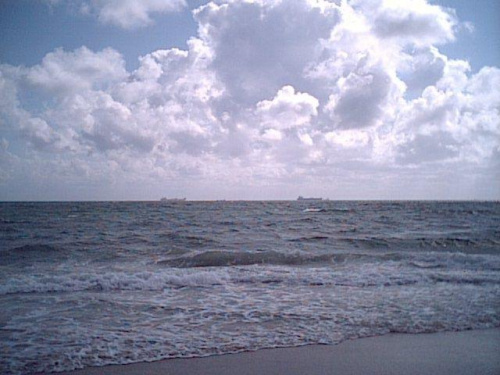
(90, 284)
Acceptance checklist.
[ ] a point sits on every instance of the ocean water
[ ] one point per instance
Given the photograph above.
(92, 284)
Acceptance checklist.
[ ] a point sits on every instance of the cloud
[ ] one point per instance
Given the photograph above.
(130, 14)
(359, 100)
(262, 46)
(112, 126)
(423, 67)
(413, 22)
(269, 92)
(288, 109)
(458, 119)
(126, 14)
(62, 73)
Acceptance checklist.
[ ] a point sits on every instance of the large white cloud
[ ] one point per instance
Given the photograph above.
(261, 46)
(457, 119)
(288, 92)
(62, 73)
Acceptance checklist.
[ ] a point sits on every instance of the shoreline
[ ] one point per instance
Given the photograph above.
(457, 353)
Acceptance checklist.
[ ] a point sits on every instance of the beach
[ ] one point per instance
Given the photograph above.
(457, 353)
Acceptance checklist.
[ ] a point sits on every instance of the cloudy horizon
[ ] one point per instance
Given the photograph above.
(262, 99)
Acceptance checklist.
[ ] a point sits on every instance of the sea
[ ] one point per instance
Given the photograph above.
(98, 283)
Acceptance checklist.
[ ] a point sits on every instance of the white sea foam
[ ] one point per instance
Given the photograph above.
(244, 310)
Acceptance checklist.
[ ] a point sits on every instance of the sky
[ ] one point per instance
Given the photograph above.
(249, 99)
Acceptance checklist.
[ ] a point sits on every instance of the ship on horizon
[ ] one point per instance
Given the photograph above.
(165, 199)
(301, 198)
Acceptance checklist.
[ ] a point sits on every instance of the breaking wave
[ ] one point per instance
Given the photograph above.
(227, 258)
(226, 268)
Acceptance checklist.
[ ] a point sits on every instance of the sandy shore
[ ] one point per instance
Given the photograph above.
(457, 353)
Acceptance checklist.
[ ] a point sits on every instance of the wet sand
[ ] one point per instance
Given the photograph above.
(457, 353)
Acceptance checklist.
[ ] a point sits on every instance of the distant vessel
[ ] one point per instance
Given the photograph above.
(301, 198)
(172, 199)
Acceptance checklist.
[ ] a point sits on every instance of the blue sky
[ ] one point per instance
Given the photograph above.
(107, 99)
(31, 29)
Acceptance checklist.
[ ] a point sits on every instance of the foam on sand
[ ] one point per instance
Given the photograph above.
(457, 353)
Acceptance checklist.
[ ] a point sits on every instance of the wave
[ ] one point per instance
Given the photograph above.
(423, 260)
(313, 210)
(357, 275)
(362, 269)
(109, 281)
(331, 210)
(309, 238)
(226, 259)
(466, 278)
(447, 244)
(32, 253)
(34, 249)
